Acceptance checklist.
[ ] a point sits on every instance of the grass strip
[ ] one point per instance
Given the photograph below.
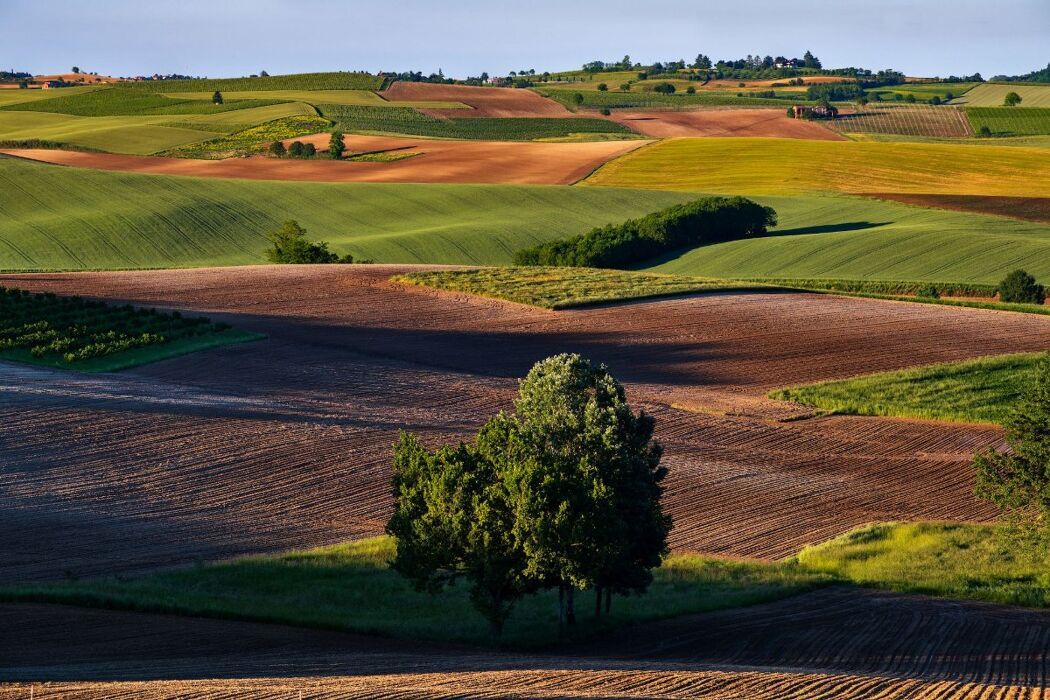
(565, 287)
(975, 391)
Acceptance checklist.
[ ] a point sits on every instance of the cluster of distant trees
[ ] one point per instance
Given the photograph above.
(1037, 76)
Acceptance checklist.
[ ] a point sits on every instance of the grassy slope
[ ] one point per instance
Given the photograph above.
(992, 95)
(562, 288)
(861, 238)
(114, 102)
(116, 220)
(363, 98)
(12, 97)
(136, 135)
(978, 391)
(297, 81)
(795, 166)
(350, 587)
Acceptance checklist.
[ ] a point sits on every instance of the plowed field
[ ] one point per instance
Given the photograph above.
(484, 101)
(772, 123)
(490, 162)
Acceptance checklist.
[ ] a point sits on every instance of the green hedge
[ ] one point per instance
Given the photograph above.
(702, 221)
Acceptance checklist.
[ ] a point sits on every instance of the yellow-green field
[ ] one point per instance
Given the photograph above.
(15, 97)
(795, 166)
(992, 95)
(360, 98)
(135, 135)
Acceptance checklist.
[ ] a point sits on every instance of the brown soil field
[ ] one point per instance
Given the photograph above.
(836, 642)
(723, 122)
(1025, 208)
(78, 78)
(486, 101)
(286, 442)
(491, 162)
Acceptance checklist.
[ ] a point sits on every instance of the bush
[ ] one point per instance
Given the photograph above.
(277, 148)
(602, 87)
(928, 291)
(625, 87)
(336, 145)
(605, 112)
(1019, 287)
(691, 90)
(290, 246)
(984, 131)
(703, 221)
(217, 98)
(664, 88)
(577, 98)
(296, 149)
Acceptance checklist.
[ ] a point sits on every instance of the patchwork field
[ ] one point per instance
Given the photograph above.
(788, 166)
(484, 102)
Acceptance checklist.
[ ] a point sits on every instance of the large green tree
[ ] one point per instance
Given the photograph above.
(1018, 480)
(587, 487)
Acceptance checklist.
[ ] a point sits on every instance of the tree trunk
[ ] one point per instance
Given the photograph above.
(608, 600)
(597, 602)
(570, 608)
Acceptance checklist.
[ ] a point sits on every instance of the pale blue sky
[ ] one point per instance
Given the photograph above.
(237, 37)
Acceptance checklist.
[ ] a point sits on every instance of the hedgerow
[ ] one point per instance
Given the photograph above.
(341, 80)
(71, 329)
(700, 222)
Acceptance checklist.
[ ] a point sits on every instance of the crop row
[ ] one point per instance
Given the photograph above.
(1011, 121)
(922, 120)
(254, 139)
(74, 329)
(125, 102)
(405, 120)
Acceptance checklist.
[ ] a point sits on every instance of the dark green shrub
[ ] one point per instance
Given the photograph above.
(217, 98)
(309, 150)
(605, 112)
(703, 221)
(664, 88)
(290, 246)
(984, 131)
(928, 291)
(277, 148)
(1019, 287)
(296, 149)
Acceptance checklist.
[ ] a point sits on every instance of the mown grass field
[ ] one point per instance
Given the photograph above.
(1011, 121)
(992, 95)
(403, 120)
(135, 135)
(976, 391)
(563, 288)
(350, 587)
(117, 102)
(361, 98)
(119, 220)
(854, 238)
(795, 166)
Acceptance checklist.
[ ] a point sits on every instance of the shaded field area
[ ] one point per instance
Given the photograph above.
(286, 443)
(1025, 208)
(836, 642)
(794, 166)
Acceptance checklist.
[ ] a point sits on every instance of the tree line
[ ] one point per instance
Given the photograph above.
(700, 222)
(562, 493)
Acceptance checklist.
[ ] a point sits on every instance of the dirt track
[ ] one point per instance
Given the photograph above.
(839, 643)
(486, 101)
(492, 162)
(286, 442)
(772, 123)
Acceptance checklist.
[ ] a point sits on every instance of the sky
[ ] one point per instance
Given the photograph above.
(220, 38)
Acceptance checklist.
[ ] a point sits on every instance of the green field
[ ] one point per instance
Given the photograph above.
(359, 98)
(992, 95)
(350, 587)
(1011, 121)
(563, 288)
(922, 91)
(121, 220)
(403, 120)
(855, 238)
(253, 140)
(137, 135)
(122, 102)
(300, 81)
(788, 166)
(614, 99)
(12, 97)
(975, 391)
